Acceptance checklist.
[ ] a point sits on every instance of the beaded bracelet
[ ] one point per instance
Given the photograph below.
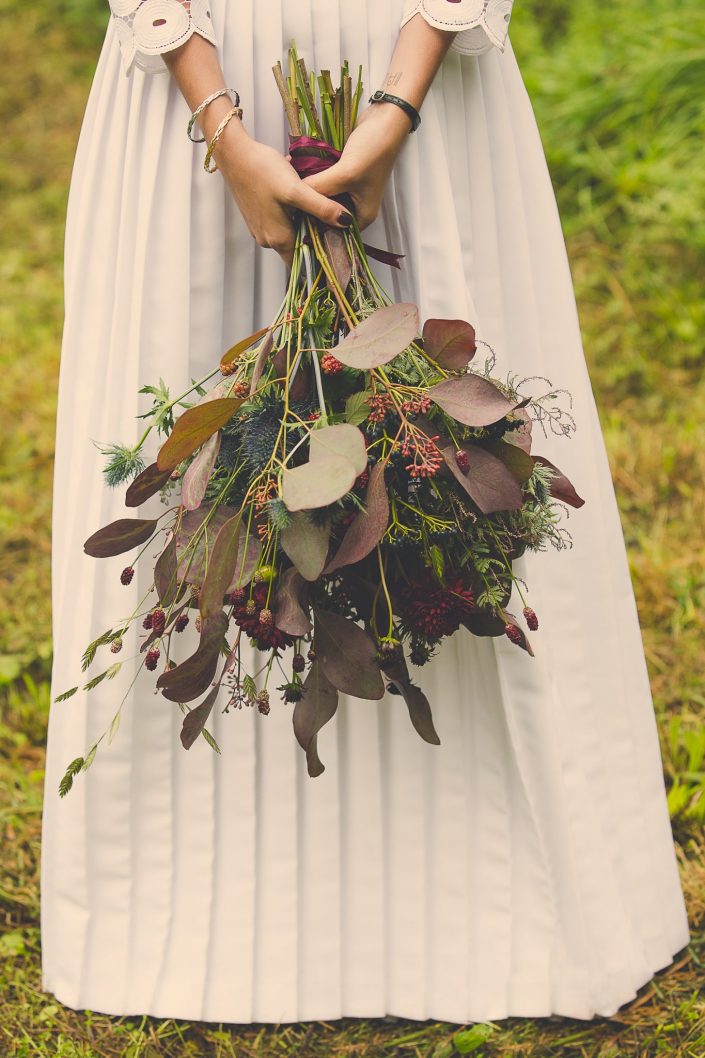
(202, 106)
(216, 136)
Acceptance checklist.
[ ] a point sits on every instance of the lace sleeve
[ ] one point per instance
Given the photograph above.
(478, 24)
(146, 28)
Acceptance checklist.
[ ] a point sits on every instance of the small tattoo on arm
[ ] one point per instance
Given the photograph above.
(393, 79)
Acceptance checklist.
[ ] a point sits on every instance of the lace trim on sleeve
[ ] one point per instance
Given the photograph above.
(478, 24)
(146, 28)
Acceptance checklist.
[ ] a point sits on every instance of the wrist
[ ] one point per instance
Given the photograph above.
(214, 114)
(392, 118)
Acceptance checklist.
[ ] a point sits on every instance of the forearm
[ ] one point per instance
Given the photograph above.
(417, 56)
(196, 68)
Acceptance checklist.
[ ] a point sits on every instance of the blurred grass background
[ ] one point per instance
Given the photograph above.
(618, 91)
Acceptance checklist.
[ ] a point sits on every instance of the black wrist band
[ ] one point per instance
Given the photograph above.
(381, 96)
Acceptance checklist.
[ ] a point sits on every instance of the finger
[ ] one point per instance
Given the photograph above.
(328, 182)
(311, 201)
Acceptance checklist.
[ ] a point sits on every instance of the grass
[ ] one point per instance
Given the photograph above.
(616, 90)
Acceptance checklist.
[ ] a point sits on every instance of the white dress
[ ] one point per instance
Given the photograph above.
(523, 867)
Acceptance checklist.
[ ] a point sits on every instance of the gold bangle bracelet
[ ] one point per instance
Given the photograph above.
(216, 136)
(202, 106)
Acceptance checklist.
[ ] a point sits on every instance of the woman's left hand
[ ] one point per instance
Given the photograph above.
(367, 160)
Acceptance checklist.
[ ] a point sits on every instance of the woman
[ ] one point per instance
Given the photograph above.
(526, 865)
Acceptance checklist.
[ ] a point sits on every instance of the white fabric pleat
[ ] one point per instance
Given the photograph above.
(523, 867)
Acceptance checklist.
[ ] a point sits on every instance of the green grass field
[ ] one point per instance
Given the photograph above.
(617, 91)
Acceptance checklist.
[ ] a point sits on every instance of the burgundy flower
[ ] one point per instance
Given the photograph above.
(435, 610)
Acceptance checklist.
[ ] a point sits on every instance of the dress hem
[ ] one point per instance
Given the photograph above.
(517, 1008)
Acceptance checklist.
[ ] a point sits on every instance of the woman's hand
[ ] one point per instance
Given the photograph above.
(367, 160)
(268, 190)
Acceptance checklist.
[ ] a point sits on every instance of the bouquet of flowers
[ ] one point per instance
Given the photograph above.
(351, 491)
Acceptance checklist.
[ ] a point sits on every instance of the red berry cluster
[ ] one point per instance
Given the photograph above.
(531, 618)
(241, 388)
(127, 575)
(380, 404)
(181, 622)
(427, 459)
(158, 621)
(416, 405)
(330, 364)
(256, 620)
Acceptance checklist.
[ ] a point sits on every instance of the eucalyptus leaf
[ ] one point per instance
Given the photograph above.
(488, 482)
(344, 440)
(471, 400)
(193, 676)
(146, 484)
(515, 458)
(221, 567)
(196, 719)
(381, 336)
(266, 346)
(119, 536)
(334, 243)
(314, 709)
(194, 427)
(561, 488)
(317, 484)
(289, 613)
(348, 655)
(306, 544)
(417, 703)
(368, 526)
(195, 480)
(166, 579)
(236, 351)
(451, 343)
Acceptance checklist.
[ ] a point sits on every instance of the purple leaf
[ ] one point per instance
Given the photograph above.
(236, 351)
(334, 242)
(561, 487)
(306, 544)
(451, 343)
(348, 655)
(514, 458)
(195, 720)
(262, 356)
(195, 480)
(521, 437)
(221, 567)
(471, 400)
(289, 613)
(193, 676)
(146, 484)
(317, 706)
(488, 481)
(166, 575)
(368, 527)
(194, 427)
(119, 536)
(380, 337)
(417, 703)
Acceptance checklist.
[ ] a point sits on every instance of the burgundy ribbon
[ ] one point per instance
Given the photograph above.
(310, 156)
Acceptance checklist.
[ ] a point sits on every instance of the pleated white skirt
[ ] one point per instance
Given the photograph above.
(523, 867)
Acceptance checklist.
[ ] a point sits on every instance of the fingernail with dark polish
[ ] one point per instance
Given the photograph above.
(345, 219)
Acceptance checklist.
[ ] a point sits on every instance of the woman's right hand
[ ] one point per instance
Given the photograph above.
(268, 190)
